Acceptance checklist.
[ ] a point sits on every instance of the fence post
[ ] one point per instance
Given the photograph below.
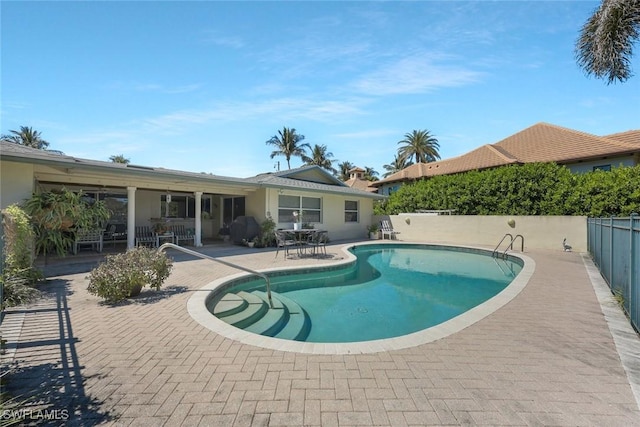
(633, 264)
(611, 251)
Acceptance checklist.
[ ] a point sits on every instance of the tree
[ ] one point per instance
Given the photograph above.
(605, 45)
(287, 144)
(396, 166)
(421, 145)
(343, 170)
(320, 157)
(370, 174)
(120, 158)
(26, 136)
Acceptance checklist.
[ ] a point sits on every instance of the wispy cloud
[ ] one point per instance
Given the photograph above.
(172, 90)
(285, 108)
(415, 75)
(214, 38)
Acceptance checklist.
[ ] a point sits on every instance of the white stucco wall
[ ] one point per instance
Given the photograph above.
(332, 213)
(16, 183)
(540, 232)
(614, 162)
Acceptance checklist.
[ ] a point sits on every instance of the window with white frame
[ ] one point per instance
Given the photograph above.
(311, 208)
(351, 211)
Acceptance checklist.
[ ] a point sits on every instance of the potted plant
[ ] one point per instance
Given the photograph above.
(373, 231)
(297, 220)
(124, 275)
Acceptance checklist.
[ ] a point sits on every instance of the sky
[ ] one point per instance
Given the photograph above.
(201, 86)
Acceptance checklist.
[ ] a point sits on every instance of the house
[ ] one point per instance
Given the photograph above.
(204, 203)
(356, 180)
(542, 142)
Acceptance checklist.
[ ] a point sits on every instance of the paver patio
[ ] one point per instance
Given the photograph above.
(545, 358)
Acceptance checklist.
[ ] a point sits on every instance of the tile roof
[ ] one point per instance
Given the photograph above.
(541, 142)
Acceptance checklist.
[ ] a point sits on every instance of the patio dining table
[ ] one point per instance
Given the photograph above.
(303, 236)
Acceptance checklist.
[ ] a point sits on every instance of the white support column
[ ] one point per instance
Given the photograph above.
(131, 217)
(198, 214)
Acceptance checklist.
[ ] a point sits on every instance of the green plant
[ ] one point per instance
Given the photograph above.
(373, 228)
(55, 214)
(18, 273)
(120, 274)
(267, 235)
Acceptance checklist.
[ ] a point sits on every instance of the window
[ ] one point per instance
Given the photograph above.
(606, 168)
(311, 208)
(350, 211)
(183, 206)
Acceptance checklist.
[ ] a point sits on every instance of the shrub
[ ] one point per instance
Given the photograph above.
(530, 189)
(119, 275)
(18, 273)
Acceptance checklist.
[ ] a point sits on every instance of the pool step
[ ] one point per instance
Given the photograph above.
(250, 311)
(229, 304)
(255, 310)
(273, 319)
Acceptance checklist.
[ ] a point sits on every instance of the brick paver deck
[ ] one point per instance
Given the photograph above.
(546, 358)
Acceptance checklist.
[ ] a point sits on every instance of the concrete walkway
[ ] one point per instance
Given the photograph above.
(546, 358)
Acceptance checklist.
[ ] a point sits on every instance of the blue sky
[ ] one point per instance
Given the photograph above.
(200, 86)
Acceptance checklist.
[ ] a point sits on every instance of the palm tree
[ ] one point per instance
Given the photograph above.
(604, 47)
(320, 156)
(343, 170)
(26, 136)
(287, 144)
(120, 158)
(396, 166)
(370, 174)
(421, 145)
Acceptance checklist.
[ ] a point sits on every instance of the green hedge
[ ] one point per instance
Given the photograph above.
(530, 189)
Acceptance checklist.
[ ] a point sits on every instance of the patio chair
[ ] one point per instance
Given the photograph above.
(319, 240)
(284, 240)
(144, 236)
(181, 233)
(387, 229)
(91, 237)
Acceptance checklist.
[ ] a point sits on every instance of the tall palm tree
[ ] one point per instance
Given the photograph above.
(343, 170)
(421, 145)
(604, 47)
(321, 157)
(370, 174)
(396, 166)
(26, 136)
(120, 158)
(287, 144)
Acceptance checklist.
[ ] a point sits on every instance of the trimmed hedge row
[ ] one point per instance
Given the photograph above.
(530, 189)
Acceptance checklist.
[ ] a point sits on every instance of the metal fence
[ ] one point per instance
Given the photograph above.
(614, 245)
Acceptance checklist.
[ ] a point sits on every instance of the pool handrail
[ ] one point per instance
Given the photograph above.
(227, 263)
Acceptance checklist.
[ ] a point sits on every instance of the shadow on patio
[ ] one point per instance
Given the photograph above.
(46, 377)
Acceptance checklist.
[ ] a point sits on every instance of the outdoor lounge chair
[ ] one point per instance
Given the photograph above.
(88, 237)
(144, 236)
(180, 233)
(387, 229)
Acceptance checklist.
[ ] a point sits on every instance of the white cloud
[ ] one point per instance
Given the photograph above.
(414, 75)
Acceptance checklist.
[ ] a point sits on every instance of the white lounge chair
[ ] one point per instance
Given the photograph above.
(387, 229)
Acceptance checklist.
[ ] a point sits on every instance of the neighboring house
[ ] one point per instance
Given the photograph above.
(542, 142)
(140, 195)
(356, 180)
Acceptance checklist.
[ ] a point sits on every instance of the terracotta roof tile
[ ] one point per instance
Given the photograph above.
(541, 142)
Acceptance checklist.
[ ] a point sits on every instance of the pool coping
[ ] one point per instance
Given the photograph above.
(196, 306)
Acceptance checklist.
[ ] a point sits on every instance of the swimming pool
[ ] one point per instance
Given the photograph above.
(381, 295)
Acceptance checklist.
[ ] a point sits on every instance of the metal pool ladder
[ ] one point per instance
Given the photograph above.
(227, 263)
(510, 246)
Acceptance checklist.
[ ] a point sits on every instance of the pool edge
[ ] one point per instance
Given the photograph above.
(196, 306)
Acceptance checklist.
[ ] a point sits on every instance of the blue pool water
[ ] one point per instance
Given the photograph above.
(391, 290)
